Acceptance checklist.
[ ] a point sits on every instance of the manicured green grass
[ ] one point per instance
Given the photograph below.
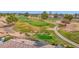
(45, 37)
(34, 22)
(52, 38)
(74, 36)
(38, 23)
(53, 19)
(22, 18)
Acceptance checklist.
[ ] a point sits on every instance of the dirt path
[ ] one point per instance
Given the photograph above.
(64, 38)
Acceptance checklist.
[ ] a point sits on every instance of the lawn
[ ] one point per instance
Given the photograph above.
(22, 18)
(53, 19)
(52, 38)
(39, 23)
(45, 37)
(73, 36)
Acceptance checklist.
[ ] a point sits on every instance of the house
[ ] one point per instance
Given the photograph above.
(76, 16)
(50, 16)
(62, 23)
(56, 16)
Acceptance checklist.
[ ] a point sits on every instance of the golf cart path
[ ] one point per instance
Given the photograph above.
(64, 38)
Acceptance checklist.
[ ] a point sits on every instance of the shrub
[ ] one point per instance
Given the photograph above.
(8, 37)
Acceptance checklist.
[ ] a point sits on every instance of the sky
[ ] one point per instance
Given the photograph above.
(58, 12)
(39, 12)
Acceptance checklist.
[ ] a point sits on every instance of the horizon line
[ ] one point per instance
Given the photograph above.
(39, 12)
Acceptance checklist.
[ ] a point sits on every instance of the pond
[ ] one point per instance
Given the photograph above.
(39, 43)
(1, 40)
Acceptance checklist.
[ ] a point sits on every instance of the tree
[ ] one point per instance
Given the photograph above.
(2, 14)
(75, 15)
(26, 14)
(68, 17)
(56, 15)
(11, 19)
(44, 15)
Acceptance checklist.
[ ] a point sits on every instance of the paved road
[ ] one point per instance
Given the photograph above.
(64, 38)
